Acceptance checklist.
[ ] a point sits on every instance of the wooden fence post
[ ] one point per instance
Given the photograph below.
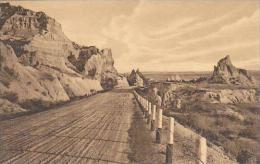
(169, 147)
(202, 150)
(159, 127)
(153, 118)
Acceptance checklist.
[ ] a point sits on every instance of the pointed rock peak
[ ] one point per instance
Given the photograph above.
(136, 78)
(107, 51)
(226, 60)
(227, 57)
(138, 72)
(133, 71)
(226, 72)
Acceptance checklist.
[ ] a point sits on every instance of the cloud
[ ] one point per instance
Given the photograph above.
(204, 33)
(163, 35)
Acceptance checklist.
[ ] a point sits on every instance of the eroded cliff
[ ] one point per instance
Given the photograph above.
(39, 63)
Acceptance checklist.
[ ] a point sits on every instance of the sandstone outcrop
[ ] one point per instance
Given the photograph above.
(122, 82)
(226, 73)
(6, 107)
(37, 60)
(228, 96)
(136, 78)
(186, 93)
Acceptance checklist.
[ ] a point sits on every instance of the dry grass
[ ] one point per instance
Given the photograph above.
(235, 136)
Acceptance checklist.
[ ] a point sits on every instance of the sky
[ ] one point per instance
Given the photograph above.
(162, 35)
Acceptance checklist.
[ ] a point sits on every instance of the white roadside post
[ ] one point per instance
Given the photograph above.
(169, 146)
(143, 105)
(202, 150)
(159, 127)
(146, 108)
(153, 118)
(141, 102)
(149, 112)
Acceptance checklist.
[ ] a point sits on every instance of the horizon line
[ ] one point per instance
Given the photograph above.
(180, 71)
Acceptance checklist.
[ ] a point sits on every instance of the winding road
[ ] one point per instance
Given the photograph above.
(104, 128)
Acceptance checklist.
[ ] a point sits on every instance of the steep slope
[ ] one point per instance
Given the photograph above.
(39, 63)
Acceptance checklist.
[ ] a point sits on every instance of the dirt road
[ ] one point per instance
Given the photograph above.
(105, 128)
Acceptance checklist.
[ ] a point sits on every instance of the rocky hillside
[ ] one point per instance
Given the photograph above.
(225, 72)
(39, 63)
(223, 107)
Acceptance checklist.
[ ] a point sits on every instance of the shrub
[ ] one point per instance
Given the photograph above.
(250, 132)
(10, 71)
(11, 96)
(6, 83)
(35, 104)
(47, 76)
(44, 93)
(245, 156)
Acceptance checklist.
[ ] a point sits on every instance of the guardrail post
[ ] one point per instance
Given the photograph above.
(202, 150)
(149, 112)
(142, 104)
(153, 118)
(159, 127)
(146, 109)
(169, 147)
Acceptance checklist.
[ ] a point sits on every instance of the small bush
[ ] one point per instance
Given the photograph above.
(47, 76)
(250, 132)
(35, 104)
(245, 156)
(6, 83)
(11, 96)
(11, 72)
(44, 93)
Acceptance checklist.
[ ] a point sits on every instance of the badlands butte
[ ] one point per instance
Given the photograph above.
(40, 68)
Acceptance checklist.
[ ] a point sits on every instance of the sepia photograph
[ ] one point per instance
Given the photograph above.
(130, 81)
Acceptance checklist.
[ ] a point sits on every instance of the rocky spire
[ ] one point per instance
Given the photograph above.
(136, 78)
(226, 72)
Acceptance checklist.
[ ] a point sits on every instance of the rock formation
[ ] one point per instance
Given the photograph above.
(177, 103)
(38, 62)
(6, 107)
(136, 78)
(226, 73)
(227, 96)
(175, 78)
(122, 82)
